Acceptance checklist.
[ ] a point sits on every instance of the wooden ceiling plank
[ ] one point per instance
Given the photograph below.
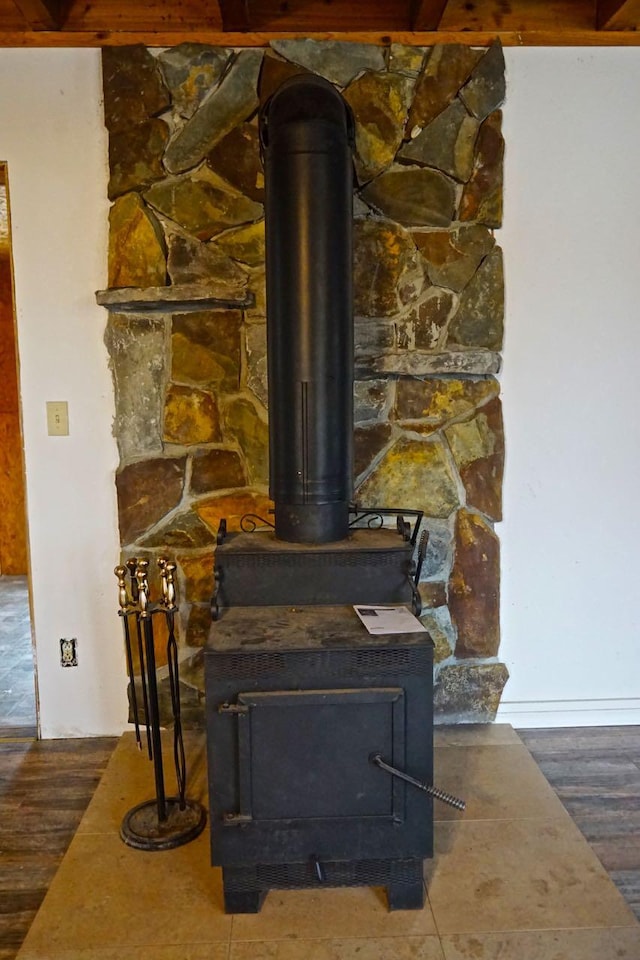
(426, 14)
(216, 37)
(618, 14)
(43, 14)
(235, 15)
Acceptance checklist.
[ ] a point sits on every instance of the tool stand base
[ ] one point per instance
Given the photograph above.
(142, 828)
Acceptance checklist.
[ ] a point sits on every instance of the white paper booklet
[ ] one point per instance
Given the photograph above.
(388, 619)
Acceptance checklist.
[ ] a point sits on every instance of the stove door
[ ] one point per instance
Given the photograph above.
(305, 783)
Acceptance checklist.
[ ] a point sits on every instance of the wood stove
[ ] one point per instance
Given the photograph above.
(318, 733)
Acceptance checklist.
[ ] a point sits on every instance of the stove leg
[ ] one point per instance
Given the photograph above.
(243, 901)
(406, 896)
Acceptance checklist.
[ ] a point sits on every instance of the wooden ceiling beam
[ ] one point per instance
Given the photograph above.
(235, 15)
(426, 14)
(43, 14)
(618, 14)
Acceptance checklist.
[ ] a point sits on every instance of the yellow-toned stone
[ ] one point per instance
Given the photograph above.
(206, 348)
(190, 416)
(379, 102)
(244, 421)
(245, 244)
(438, 401)
(136, 247)
(197, 577)
(192, 361)
(416, 474)
(233, 507)
(471, 440)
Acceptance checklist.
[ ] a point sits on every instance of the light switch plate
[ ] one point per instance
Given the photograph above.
(57, 418)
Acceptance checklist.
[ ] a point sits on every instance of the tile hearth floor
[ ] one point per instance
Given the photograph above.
(512, 879)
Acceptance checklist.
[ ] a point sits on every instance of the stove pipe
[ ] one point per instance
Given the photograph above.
(306, 132)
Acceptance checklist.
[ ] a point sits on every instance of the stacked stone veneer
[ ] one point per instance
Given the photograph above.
(187, 344)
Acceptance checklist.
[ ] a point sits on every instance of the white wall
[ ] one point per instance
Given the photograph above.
(571, 389)
(52, 136)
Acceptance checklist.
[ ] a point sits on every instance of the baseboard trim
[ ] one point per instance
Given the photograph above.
(570, 713)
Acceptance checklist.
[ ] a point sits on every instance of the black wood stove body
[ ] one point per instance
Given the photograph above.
(306, 711)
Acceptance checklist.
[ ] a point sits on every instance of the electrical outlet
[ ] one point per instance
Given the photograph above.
(68, 652)
(57, 418)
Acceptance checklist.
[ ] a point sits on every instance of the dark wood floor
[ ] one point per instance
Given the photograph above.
(45, 787)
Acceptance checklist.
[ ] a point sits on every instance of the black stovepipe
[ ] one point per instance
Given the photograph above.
(306, 132)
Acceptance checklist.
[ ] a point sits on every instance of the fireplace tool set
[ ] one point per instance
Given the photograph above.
(164, 822)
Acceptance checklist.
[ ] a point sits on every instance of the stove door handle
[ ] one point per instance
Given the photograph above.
(376, 759)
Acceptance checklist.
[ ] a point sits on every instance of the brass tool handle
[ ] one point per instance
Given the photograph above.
(432, 791)
(123, 597)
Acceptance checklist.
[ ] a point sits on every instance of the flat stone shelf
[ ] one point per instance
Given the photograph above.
(419, 363)
(180, 298)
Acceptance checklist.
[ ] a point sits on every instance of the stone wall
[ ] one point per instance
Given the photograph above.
(187, 343)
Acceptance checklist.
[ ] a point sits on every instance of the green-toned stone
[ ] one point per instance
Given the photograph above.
(236, 158)
(247, 423)
(423, 326)
(190, 416)
(229, 104)
(370, 399)
(233, 507)
(336, 60)
(190, 71)
(368, 444)
(147, 490)
(256, 352)
(453, 256)
(441, 630)
(198, 624)
(196, 576)
(447, 143)
(132, 85)
(136, 348)
(398, 276)
(415, 472)
(136, 245)
(216, 470)
(439, 556)
(245, 244)
(415, 196)
(479, 321)
(192, 699)
(274, 72)
(478, 449)
(258, 287)
(474, 588)
(190, 261)
(468, 692)
(485, 90)
(372, 337)
(446, 68)
(202, 205)
(185, 531)
(482, 195)
(420, 363)
(206, 348)
(135, 156)
(406, 59)
(379, 102)
(440, 400)
(432, 594)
